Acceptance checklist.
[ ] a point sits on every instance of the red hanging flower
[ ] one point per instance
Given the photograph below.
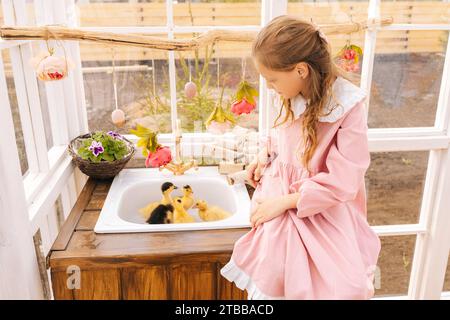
(242, 106)
(160, 157)
(245, 99)
(157, 155)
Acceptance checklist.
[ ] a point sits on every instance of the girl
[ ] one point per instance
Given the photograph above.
(310, 238)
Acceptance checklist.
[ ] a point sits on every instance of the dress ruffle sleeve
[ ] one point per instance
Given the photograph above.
(347, 161)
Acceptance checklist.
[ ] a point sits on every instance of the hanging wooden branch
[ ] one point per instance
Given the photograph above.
(137, 40)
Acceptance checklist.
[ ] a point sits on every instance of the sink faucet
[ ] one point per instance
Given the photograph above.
(177, 166)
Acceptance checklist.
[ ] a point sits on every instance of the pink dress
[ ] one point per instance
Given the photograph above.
(323, 248)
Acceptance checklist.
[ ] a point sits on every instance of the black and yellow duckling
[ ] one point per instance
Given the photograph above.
(207, 213)
(188, 198)
(162, 214)
(180, 215)
(166, 189)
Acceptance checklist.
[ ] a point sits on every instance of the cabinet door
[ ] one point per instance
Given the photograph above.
(196, 280)
(145, 283)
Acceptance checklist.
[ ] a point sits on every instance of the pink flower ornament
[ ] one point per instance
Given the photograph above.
(50, 67)
(242, 106)
(160, 157)
(216, 127)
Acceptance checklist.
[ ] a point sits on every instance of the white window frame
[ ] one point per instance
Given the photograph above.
(52, 173)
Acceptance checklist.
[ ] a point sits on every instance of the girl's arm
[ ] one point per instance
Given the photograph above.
(290, 201)
(347, 161)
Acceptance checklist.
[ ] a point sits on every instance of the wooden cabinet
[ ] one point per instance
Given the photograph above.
(162, 265)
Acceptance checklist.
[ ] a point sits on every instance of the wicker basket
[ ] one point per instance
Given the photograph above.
(102, 169)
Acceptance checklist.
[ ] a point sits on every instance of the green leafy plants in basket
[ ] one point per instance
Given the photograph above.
(103, 146)
(101, 155)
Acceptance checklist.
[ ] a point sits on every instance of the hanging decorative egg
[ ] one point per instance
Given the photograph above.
(50, 67)
(190, 90)
(118, 117)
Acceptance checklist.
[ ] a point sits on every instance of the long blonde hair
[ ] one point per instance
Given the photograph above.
(280, 46)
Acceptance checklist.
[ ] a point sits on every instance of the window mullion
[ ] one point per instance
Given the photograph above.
(32, 92)
(172, 70)
(442, 120)
(269, 10)
(370, 42)
(21, 92)
(431, 252)
(18, 274)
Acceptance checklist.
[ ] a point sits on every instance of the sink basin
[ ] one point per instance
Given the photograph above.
(133, 189)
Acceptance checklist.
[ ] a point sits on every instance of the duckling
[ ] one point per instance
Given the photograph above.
(187, 199)
(180, 215)
(213, 213)
(161, 214)
(166, 189)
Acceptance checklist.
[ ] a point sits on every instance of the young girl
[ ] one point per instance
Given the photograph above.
(310, 238)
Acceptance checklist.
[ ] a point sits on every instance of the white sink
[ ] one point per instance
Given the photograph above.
(132, 189)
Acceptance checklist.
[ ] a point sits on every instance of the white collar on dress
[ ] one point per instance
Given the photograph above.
(346, 96)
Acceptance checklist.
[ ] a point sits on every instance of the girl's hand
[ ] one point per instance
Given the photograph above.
(255, 168)
(254, 172)
(267, 209)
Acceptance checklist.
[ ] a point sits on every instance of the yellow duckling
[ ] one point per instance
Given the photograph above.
(213, 213)
(188, 198)
(166, 189)
(180, 215)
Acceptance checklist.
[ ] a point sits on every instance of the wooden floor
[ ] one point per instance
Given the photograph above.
(158, 265)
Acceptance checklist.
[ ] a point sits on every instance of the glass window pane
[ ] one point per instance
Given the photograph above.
(394, 265)
(328, 12)
(333, 11)
(45, 115)
(394, 185)
(407, 11)
(407, 75)
(142, 79)
(217, 13)
(15, 112)
(38, 47)
(31, 13)
(223, 69)
(103, 13)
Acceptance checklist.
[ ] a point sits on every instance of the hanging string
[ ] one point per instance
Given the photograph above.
(189, 66)
(243, 66)
(218, 71)
(350, 34)
(154, 77)
(220, 90)
(50, 50)
(114, 78)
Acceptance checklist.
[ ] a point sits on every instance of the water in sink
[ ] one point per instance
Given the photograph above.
(133, 189)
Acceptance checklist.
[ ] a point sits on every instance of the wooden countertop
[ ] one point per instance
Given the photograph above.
(78, 244)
